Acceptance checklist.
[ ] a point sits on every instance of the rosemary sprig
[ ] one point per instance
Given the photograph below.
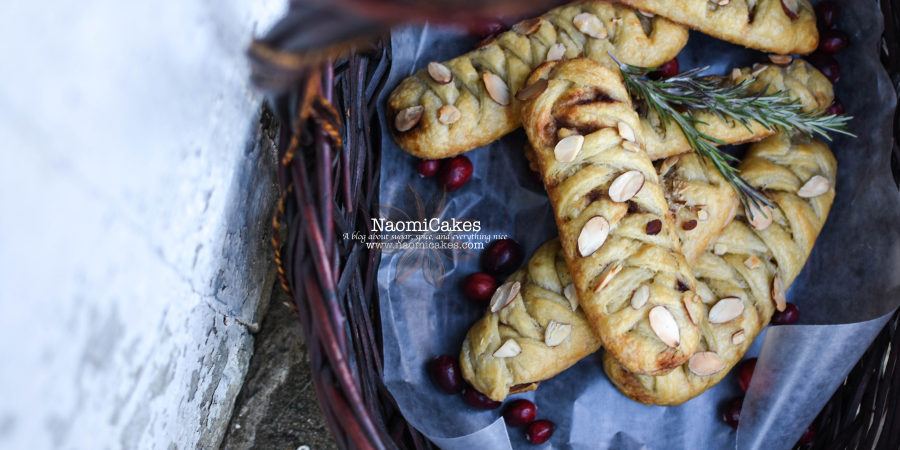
(674, 98)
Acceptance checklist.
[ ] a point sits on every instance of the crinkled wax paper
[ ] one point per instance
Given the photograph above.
(850, 285)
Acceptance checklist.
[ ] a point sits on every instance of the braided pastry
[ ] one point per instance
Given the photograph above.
(614, 225)
(545, 283)
(800, 80)
(742, 278)
(699, 198)
(548, 331)
(469, 101)
(778, 26)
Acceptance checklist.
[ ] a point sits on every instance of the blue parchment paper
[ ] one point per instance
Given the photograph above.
(849, 287)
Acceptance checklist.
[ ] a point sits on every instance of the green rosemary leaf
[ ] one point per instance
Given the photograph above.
(674, 98)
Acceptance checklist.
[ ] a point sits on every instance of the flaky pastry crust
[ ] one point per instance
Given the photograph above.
(777, 26)
(512, 56)
(747, 263)
(641, 249)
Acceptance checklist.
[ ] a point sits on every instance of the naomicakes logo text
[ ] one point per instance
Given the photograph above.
(433, 225)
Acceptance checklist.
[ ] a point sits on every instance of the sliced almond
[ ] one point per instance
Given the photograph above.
(607, 276)
(408, 117)
(632, 147)
(590, 25)
(758, 69)
(504, 295)
(686, 301)
(738, 337)
(640, 297)
(593, 235)
(790, 8)
(663, 324)
(815, 187)
(567, 148)
(752, 262)
(449, 114)
(720, 249)
(705, 293)
(781, 60)
(626, 131)
(760, 217)
(532, 90)
(702, 215)
(556, 52)
(509, 349)
(439, 73)
(667, 165)
(528, 26)
(705, 363)
(778, 293)
(496, 88)
(556, 333)
(727, 309)
(571, 295)
(626, 186)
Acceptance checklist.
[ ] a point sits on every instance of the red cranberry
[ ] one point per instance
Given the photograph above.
(445, 374)
(502, 257)
(827, 64)
(790, 315)
(732, 413)
(485, 26)
(519, 413)
(455, 172)
(539, 431)
(745, 373)
(833, 41)
(667, 70)
(480, 286)
(835, 108)
(478, 400)
(809, 435)
(827, 13)
(428, 168)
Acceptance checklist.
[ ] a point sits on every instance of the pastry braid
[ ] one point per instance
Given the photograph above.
(548, 331)
(742, 278)
(470, 101)
(615, 228)
(800, 80)
(777, 26)
(546, 283)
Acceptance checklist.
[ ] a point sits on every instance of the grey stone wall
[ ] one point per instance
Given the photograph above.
(136, 189)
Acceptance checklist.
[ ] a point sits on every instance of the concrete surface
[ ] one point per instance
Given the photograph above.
(277, 407)
(136, 190)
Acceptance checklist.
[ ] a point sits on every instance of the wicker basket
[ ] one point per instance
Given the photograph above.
(329, 161)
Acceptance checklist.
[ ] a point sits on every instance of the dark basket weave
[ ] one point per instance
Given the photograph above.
(329, 167)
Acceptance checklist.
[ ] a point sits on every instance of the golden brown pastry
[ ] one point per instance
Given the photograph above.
(803, 83)
(700, 199)
(545, 284)
(777, 26)
(800, 80)
(532, 334)
(470, 101)
(614, 225)
(743, 276)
